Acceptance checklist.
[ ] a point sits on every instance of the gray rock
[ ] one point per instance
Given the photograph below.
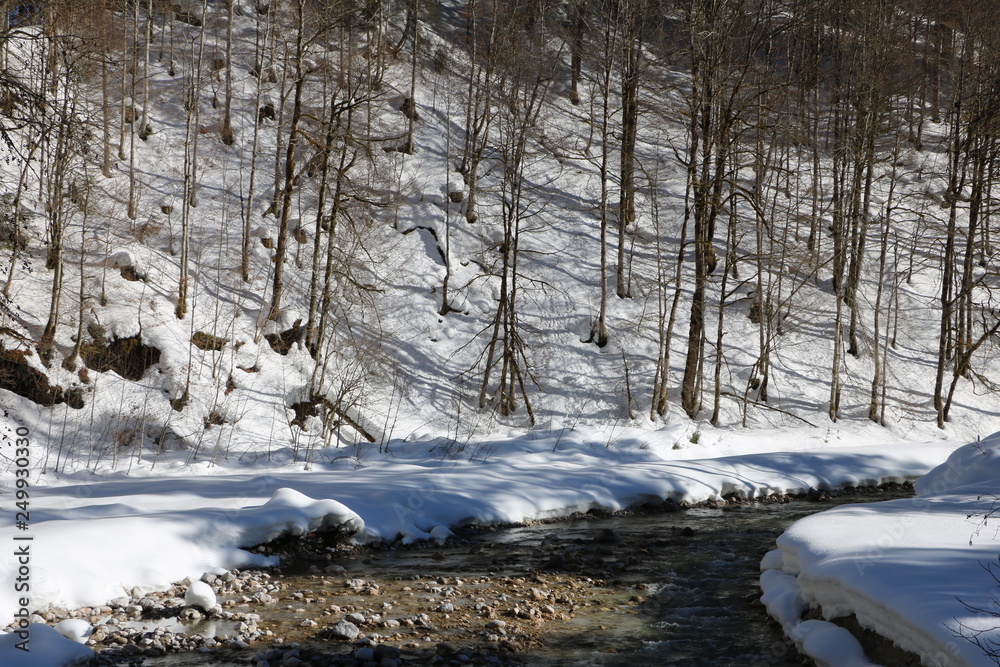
(356, 618)
(343, 630)
(188, 614)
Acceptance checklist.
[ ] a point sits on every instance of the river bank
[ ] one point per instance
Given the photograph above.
(649, 585)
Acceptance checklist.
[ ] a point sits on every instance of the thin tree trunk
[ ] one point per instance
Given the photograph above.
(278, 284)
(106, 120)
(227, 121)
(630, 120)
(414, 10)
(599, 334)
(191, 167)
(260, 43)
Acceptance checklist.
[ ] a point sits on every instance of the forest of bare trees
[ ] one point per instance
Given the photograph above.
(825, 147)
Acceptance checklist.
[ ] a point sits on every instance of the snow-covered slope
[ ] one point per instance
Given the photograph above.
(211, 387)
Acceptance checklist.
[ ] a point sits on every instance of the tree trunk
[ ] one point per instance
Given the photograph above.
(227, 121)
(260, 43)
(631, 55)
(281, 248)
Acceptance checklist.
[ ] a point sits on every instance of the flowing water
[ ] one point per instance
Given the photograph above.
(677, 588)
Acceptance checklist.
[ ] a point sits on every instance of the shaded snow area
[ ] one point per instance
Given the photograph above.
(918, 571)
(149, 531)
(39, 645)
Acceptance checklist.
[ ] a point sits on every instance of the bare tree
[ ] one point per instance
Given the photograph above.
(523, 86)
(630, 15)
(722, 42)
(190, 198)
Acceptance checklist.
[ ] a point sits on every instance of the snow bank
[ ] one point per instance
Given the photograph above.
(137, 542)
(152, 531)
(907, 569)
(39, 645)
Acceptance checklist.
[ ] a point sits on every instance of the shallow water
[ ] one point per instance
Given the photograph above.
(675, 588)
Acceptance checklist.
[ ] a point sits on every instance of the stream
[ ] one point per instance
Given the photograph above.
(657, 588)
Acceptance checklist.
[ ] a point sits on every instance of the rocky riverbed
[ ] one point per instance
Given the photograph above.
(667, 587)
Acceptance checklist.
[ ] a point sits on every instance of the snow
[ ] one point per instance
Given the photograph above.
(142, 494)
(829, 645)
(76, 629)
(39, 645)
(200, 594)
(782, 598)
(149, 530)
(911, 570)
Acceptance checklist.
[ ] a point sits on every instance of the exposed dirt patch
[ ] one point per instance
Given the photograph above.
(17, 376)
(129, 357)
(208, 342)
(282, 342)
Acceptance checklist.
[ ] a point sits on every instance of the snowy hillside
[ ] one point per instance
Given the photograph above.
(270, 266)
(371, 234)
